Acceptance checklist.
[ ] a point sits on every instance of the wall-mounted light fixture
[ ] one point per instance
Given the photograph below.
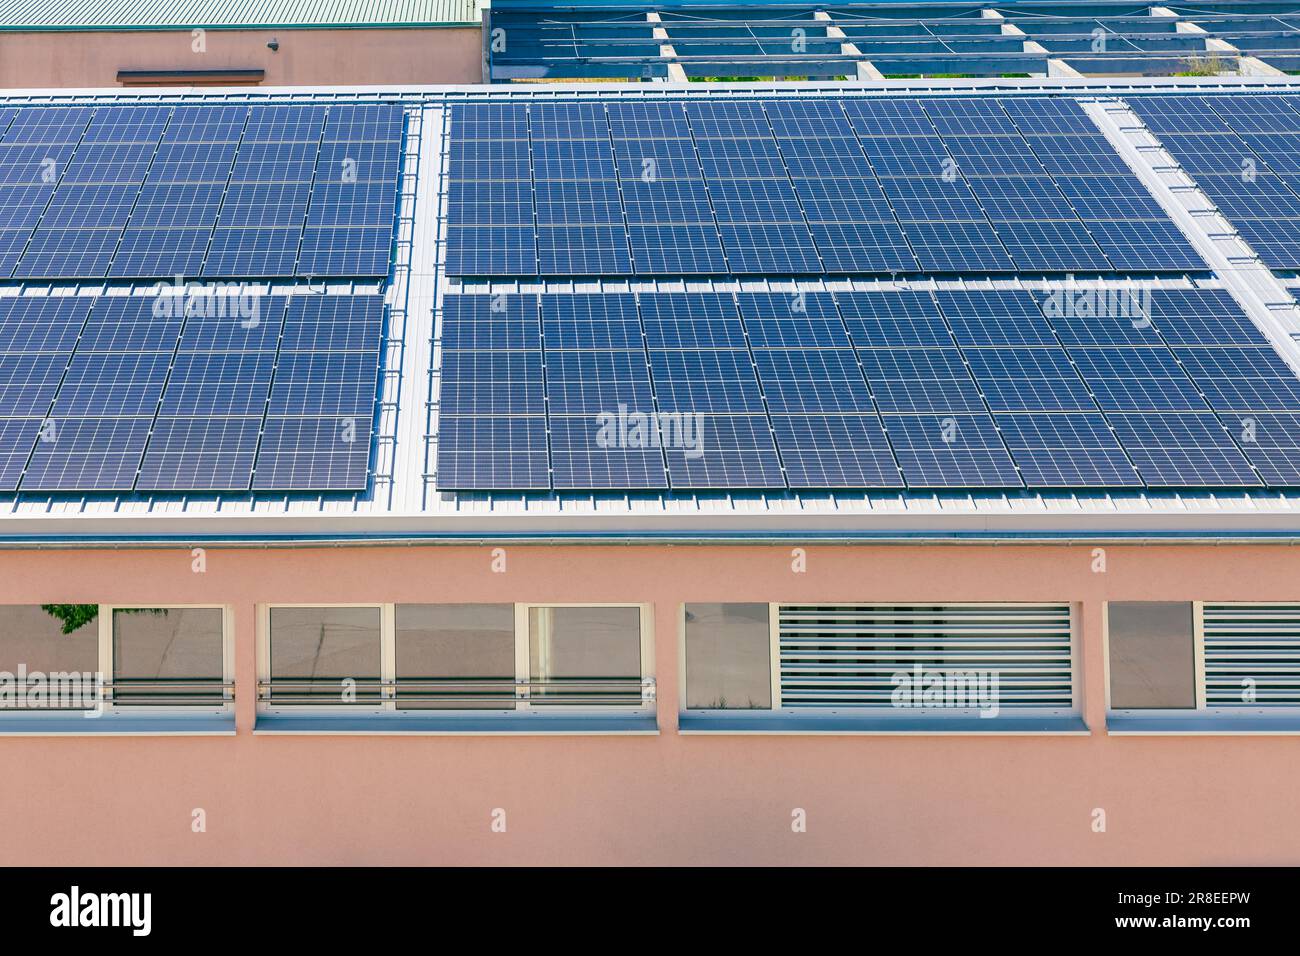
(274, 45)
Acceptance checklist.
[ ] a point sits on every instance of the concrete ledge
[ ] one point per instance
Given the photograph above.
(456, 725)
(1202, 724)
(117, 725)
(716, 723)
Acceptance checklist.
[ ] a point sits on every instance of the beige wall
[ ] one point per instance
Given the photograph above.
(305, 58)
(664, 799)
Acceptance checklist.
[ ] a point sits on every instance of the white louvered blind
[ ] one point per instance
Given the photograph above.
(846, 655)
(1252, 647)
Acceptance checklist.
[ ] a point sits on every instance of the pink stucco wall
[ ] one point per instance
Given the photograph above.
(663, 799)
(320, 57)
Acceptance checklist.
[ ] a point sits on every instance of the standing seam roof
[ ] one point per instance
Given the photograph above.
(30, 15)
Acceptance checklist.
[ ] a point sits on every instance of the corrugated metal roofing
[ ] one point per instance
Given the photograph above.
(191, 14)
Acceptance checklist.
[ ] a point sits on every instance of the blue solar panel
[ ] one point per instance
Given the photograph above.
(981, 318)
(96, 453)
(1182, 450)
(893, 320)
(593, 382)
(314, 452)
(699, 381)
(1136, 379)
(492, 383)
(950, 451)
(320, 412)
(1028, 380)
(622, 451)
(1270, 441)
(814, 380)
(1236, 378)
(498, 452)
(920, 380)
(835, 451)
(1066, 451)
(189, 454)
(1202, 317)
(727, 451)
(138, 195)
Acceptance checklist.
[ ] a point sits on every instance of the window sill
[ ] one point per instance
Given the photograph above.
(443, 725)
(1201, 724)
(117, 725)
(716, 723)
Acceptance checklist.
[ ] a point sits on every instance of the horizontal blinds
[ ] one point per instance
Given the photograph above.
(1252, 655)
(848, 655)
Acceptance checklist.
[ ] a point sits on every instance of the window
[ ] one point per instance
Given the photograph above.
(1192, 666)
(130, 662)
(168, 656)
(456, 661)
(49, 657)
(1152, 655)
(879, 668)
(326, 655)
(728, 657)
(455, 656)
(584, 655)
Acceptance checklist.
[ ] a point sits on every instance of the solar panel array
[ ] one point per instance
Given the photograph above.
(795, 187)
(861, 389)
(211, 191)
(1244, 151)
(201, 392)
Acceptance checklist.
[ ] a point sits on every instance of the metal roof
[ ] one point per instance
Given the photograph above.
(33, 15)
(768, 38)
(404, 504)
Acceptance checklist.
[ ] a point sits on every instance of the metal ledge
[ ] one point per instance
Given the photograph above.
(1193, 725)
(781, 724)
(457, 725)
(117, 725)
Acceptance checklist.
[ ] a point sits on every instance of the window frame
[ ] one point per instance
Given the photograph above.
(873, 719)
(388, 707)
(114, 711)
(1209, 719)
(105, 622)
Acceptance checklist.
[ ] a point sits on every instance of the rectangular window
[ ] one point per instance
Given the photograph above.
(1189, 666)
(584, 655)
(1252, 655)
(728, 657)
(168, 656)
(49, 657)
(134, 661)
(455, 656)
(326, 655)
(465, 660)
(879, 668)
(1152, 655)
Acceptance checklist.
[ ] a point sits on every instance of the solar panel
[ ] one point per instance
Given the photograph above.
(835, 451)
(1270, 441)
(320, 412)
(950, 451)
(1066, 451)
(137, 192)
(1182, 450)
(920, 380)
(726, 451)
(506, 453)
(1136, 379)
